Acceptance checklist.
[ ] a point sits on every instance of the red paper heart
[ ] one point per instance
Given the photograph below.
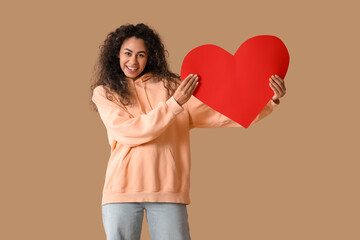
(237, 86)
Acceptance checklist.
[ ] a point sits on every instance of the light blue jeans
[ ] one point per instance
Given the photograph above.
(166, 221)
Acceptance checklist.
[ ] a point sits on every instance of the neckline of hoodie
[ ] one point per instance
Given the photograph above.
(143, 79)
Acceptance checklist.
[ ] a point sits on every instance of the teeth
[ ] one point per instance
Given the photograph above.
(131, 68)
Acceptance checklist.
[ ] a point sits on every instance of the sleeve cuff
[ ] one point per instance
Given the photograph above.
(174, 106)
(274, 103)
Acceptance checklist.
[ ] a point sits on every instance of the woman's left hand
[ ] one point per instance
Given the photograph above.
(278, 86)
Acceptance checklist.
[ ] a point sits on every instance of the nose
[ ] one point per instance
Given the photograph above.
(133, 59)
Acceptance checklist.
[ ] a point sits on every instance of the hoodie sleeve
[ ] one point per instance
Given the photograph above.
(134, 131)
(203, 116)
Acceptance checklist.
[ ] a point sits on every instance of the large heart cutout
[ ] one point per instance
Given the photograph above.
(237, 85)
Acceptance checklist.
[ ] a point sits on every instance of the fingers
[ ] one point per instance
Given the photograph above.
(278, 85)
(186, 80)
(276, 91)
(281, 83)
(187, 88)
(274, 85)
(193, 86)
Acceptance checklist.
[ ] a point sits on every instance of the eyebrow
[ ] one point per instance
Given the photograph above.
(132, 51)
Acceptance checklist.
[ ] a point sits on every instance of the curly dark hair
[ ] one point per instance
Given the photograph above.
(108, 72)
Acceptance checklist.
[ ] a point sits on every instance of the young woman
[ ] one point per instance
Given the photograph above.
(148, 112)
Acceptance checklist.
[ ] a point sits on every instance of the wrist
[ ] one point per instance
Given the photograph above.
(276, 100)
(177, 101)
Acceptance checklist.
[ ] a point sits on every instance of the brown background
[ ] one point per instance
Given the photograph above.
(294, 175)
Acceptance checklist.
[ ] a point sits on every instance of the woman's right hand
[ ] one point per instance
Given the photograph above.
(186, 89)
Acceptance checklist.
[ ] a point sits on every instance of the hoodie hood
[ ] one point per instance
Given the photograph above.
(141, 83)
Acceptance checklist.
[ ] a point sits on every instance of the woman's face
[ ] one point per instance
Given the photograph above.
(133, 57)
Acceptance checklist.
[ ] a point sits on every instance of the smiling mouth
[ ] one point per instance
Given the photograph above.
(131, 68)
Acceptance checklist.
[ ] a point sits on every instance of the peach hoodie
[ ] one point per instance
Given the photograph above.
(150, 144)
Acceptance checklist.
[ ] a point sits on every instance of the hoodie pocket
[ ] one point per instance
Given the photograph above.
(150, 169)
(146, 168)
(171, 181)
(114, 171)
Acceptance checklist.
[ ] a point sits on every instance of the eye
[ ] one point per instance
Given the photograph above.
(141, 55)
(127, 53)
